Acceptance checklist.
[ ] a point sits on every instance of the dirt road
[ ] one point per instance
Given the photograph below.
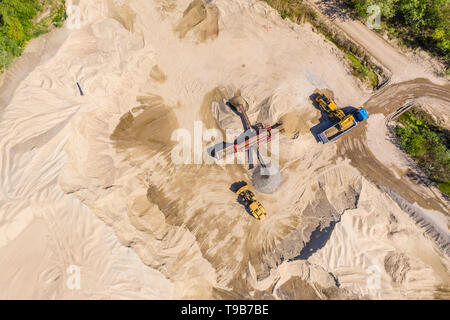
(354, 146)
(408, 75)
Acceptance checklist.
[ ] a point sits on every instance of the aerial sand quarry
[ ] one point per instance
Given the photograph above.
(90, 180)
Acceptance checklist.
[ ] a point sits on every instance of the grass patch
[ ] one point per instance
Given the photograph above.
(292, 10)
(445, 187)
(427, 143)
(363, 72)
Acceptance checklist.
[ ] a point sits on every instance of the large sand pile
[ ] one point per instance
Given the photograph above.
(379, 239)
(89, 180)
(200, 17)
(267, 179)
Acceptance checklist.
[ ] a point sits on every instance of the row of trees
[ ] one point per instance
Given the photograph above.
(427, 143)
(424, 23)
(18, 24)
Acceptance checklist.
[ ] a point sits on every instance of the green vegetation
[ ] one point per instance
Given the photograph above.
(418, 23)
(292, 10)
(22, 20)
(297, 12)
(445, 187)
(428, 144)
(363, 72)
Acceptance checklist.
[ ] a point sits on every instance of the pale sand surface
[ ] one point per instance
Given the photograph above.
(89, 181)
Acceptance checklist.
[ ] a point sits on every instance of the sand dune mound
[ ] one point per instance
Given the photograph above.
(266, 180)
(397, 265)
(290, 124)
(150, 124)
(201, 18)
(157, 74)
(122, 13)
(237, 101)
(296, 288)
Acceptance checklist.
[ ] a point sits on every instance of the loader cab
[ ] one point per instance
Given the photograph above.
(325, 100)
(257, 210)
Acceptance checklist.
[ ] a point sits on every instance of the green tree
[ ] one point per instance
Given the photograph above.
(424, 23)
(15, 31)
(16, 27)
(415, 145)
(413, 12)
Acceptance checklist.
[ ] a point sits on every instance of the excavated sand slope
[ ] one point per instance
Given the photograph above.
(148, 68)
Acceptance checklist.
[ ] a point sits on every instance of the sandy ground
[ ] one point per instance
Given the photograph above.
(89, 180)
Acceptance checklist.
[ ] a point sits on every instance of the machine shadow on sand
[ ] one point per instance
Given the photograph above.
(249, 140)
(236, 112)
(213, 150)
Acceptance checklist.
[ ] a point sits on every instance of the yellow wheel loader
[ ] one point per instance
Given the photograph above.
(250, 201)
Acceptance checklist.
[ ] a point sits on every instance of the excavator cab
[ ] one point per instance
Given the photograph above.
(326, 104)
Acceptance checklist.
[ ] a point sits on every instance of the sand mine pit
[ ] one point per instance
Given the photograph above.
(90, 180)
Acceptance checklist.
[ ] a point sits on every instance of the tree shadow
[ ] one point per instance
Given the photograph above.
(336, 10)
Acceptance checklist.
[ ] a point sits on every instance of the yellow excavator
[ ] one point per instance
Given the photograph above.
(250, 201)
(341, 123)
